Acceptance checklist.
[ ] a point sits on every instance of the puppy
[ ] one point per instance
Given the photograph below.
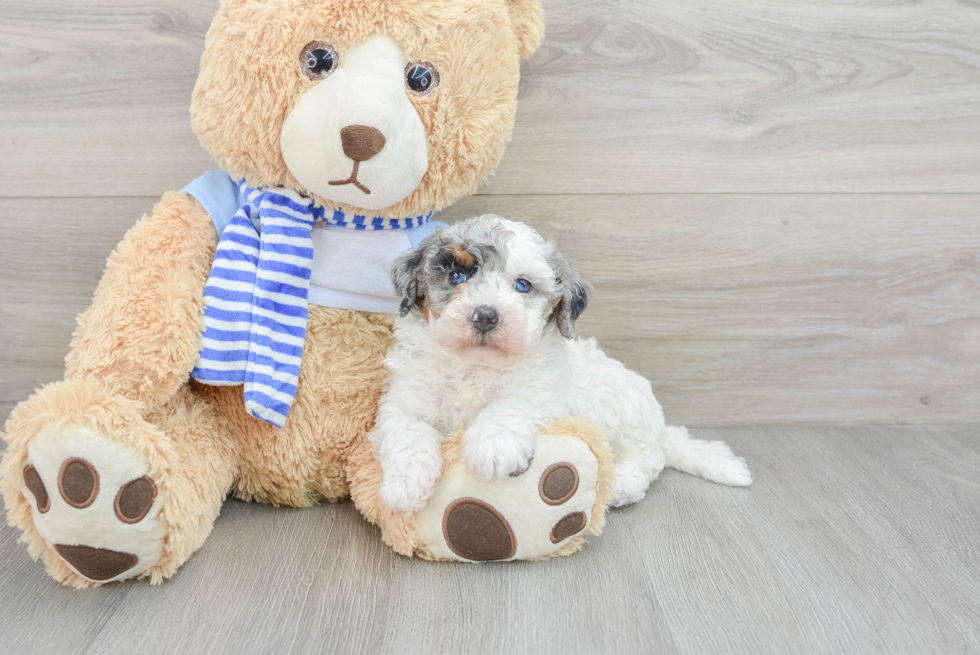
(486, 341)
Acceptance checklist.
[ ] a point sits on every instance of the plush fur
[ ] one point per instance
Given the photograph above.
(127, 375)
(505, 381)
(401, 531)
(468, 119)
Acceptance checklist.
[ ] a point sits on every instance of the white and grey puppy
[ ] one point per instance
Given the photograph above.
(486, 341)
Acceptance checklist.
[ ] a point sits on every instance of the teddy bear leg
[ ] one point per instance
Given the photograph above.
(544, 511)
(104, 493)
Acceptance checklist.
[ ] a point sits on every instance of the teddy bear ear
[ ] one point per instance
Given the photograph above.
(527, 17)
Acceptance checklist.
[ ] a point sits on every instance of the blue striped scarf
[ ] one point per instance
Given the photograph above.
(258, 296)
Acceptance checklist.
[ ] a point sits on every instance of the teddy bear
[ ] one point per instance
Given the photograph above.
(236, 342)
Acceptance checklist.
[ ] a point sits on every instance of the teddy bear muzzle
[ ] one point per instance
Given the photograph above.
(360, 143)
(355, 137)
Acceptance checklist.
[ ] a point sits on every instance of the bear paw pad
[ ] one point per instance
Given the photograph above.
(93, 503)
(528, 515)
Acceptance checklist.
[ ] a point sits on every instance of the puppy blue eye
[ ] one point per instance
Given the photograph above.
(457, 277)
(522, 285)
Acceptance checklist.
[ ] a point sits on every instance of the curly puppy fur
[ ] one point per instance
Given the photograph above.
(487, 342)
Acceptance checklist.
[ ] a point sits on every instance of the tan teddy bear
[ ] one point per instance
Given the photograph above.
(339, 126)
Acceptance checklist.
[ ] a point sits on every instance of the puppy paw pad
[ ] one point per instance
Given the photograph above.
(558, 484)
(33, 482)
(476, 531)
(568, 526)
(134, 500)
(97, 563)
(78, 482)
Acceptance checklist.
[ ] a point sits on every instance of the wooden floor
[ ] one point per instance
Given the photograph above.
(851, 540)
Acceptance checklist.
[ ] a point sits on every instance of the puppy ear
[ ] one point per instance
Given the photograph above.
(405, 275)
(576, 294)
(527, 17)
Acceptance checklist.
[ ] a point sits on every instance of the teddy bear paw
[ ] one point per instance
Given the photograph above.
(93, 503)
(528, 515)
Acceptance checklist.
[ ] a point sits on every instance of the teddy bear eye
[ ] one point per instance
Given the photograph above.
(318, 60)
(421, 78)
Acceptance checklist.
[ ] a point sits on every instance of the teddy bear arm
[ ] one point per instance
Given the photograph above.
(142, 333)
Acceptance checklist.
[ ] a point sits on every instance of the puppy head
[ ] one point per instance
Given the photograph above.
(490, 289)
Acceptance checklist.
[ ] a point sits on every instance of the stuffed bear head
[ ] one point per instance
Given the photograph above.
(388, 108)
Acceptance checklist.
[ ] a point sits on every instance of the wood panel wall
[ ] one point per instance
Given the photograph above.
(778, 201)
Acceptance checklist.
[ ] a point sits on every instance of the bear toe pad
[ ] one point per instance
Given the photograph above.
(102, 514)
(528, 516)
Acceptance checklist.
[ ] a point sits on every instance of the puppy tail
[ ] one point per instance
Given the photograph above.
(711, 460)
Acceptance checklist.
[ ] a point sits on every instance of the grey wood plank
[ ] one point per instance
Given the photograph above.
(101, 89)
(320, 581)
(967, 435)
(55, 253)
(38, 615)
(530, 607)
(741, 309)
(637, 96)
(268, 579)
(882, 492)
(799, 564)
(850, 540)
(748, 96)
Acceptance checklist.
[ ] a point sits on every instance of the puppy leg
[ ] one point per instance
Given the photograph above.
(634, 473)
(636, 444)
(408, 450)
(501, 439)
(632, 419)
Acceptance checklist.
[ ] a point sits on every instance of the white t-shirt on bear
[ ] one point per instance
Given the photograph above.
(351, 268)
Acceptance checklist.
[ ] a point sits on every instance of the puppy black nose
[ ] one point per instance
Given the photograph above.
(484, 319)
(361, 142)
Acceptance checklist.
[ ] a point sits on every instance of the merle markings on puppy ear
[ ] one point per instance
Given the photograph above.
(405, 273)
(576, 293)
(454, 256)
(423, 278)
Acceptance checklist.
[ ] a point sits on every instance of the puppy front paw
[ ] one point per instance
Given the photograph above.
(496, 450)
(410, 480)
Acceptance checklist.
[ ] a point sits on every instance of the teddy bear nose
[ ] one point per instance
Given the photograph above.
(361, 142)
